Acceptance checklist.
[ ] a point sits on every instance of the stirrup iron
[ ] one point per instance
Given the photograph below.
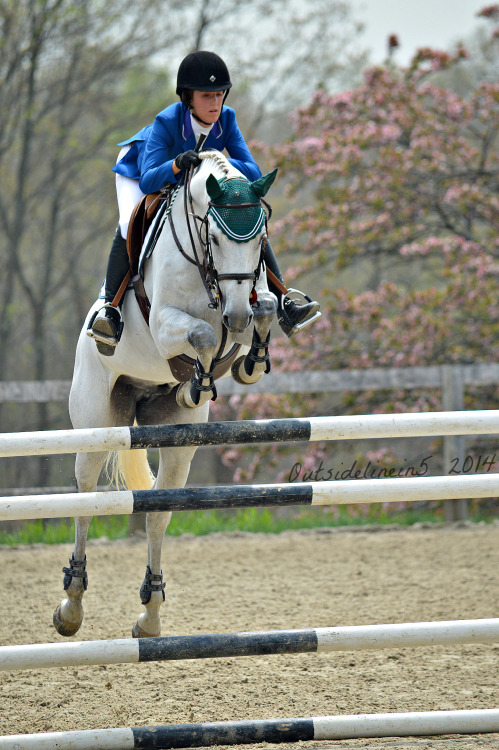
(103, 338)
(302, 297)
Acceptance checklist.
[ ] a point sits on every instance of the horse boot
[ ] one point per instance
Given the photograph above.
(107, 325)
(293, 313)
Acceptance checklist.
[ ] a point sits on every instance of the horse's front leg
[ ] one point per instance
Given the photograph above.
(201, 387)
(171, 329)
(250, 368)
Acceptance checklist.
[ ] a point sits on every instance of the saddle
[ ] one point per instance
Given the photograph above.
(142, 217)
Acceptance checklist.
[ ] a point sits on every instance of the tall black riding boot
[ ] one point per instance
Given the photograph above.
(107, 325)
(293, 315)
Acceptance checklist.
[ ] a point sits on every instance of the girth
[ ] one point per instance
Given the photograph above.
(183, 366)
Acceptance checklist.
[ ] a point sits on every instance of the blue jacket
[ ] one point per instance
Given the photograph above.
(154, 148)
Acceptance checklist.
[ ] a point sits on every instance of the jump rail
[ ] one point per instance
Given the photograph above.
(341, 492)
(259, 643)
(306, 729)
(249, 431)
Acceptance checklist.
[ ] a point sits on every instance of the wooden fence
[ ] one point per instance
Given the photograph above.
(451, 379)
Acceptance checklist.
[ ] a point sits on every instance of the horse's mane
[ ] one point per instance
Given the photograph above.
(216, 163)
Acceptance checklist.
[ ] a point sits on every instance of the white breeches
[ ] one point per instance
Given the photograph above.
(128, 193)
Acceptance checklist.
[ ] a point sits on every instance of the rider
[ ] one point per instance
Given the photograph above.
(159, 154)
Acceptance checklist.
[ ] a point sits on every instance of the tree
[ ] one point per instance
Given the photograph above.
(289, 49)
(397, 179)
(76, 76)
(62, 66)
(484, 43)
(393, 163)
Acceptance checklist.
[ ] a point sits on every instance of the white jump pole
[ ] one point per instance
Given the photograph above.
(304, 729)
(480, 422)
(217, 645)
(342, 492)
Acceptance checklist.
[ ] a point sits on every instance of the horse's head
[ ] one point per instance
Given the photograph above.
(235, 235)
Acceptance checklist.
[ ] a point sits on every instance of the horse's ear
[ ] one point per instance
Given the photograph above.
(262, 185)
(213, 187)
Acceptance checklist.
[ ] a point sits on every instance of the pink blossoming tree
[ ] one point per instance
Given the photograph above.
(398, 173)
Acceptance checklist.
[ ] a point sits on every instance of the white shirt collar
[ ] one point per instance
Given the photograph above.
(198, 128)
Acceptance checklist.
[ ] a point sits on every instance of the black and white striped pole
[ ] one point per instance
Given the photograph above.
(342, 492)
(484, 422)
(306, 729)
(257, 643)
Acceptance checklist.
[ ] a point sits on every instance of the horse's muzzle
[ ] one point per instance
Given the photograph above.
(237, 322)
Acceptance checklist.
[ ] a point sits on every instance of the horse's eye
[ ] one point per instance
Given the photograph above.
(214, 239)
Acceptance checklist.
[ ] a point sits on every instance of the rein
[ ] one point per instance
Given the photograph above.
(207, 267)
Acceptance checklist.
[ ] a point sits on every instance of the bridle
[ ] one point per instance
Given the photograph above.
(204, 260)
(183, 366)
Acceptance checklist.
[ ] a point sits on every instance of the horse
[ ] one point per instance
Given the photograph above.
(209, 313)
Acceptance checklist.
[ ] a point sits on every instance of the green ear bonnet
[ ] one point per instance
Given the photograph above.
(229, 207)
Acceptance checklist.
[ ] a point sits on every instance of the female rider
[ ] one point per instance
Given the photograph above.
(159, 154)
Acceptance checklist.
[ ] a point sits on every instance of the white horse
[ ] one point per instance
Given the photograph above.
(208, 294)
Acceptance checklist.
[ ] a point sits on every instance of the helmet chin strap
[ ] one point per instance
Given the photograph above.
(202, 122)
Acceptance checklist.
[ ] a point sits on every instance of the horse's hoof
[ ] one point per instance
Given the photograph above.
(139, 632)
(241, 376)
(183, 396)
(65, 627)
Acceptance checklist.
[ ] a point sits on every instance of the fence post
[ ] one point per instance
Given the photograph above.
(454, 445)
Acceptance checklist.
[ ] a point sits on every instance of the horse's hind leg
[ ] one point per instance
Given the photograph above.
(173, 470)
(152, 593)
(69, 614)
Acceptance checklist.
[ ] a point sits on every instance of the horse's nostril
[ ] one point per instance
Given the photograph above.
(236, 324)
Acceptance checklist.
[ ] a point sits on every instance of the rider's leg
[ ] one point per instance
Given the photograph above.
(107, 322)
(291, 315)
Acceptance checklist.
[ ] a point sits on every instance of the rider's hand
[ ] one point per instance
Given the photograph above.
(187, 159)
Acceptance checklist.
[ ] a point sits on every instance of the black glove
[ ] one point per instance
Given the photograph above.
(187, 159)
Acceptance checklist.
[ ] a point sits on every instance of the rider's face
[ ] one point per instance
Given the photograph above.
(207, 105)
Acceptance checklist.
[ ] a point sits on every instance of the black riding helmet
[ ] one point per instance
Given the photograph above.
(203, 71)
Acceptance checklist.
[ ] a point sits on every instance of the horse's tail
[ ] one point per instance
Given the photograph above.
(130, 469)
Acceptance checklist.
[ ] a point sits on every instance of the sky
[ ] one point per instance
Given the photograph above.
(417, 23)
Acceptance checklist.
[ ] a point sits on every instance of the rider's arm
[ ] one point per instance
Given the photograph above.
(157, 168)
(166, 141)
